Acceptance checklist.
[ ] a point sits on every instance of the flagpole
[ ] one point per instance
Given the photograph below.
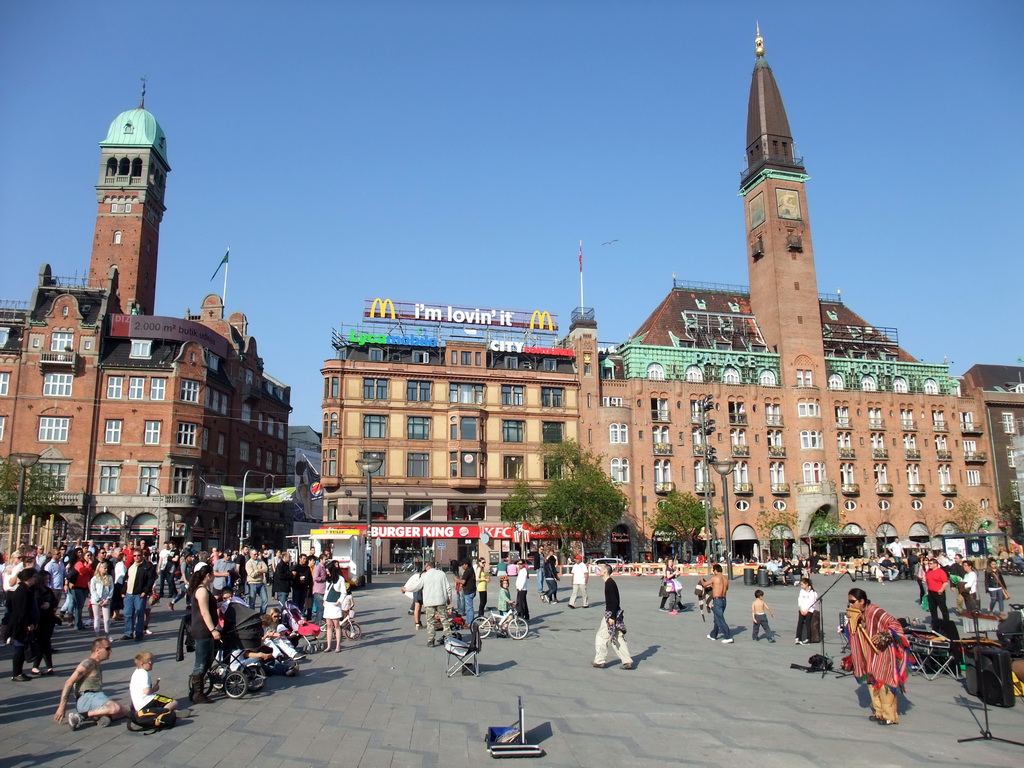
(224, 296)
(581, 275)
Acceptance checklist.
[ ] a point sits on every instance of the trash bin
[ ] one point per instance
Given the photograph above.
(748, 577)
(762, 577)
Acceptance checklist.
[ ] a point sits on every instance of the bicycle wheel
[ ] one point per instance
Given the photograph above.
(352, 630)
(235, 684)
(257, 677)
(518, 628)
(484, 626)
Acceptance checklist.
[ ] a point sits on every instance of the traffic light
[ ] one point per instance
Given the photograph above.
(711, 454)
(709, 426)
(706, 403)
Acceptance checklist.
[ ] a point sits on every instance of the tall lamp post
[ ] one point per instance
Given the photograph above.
(725, 468)
(24, 461)
(368, 465)
(241, 521)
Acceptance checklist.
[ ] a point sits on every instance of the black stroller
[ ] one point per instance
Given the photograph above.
(231, 671)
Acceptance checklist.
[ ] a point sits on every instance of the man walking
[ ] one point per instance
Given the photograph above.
(612, 628)
(138, 587)
(467, 582)
(719, 588)
(256, 577)
(580, 578)
(437, 595)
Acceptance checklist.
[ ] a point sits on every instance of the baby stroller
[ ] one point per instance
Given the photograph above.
(220, 676)
(456, 619)
(305, 635)
(242, 633)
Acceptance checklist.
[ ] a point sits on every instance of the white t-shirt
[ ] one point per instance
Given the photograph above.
(579, 573)
(971, 582)
(521, 579)
(141, 680)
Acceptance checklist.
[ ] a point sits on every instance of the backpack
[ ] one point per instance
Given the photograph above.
(151, 722)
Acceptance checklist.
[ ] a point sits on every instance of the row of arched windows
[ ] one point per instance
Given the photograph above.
(124, 167)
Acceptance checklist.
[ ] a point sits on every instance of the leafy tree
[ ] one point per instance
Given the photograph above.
(681, 514)
(580, 500)
(771, 524)
(825, 528)
(966, 516)
(40, 489)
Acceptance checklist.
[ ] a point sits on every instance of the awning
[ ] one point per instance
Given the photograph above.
(145, 524)
(950, 529)
(105, 524)
(919, 529)
(744, 533)
(887, 531)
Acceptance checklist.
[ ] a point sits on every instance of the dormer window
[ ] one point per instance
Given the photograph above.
(701, 304)
(734, 307)
(128, 128)
(142, 349)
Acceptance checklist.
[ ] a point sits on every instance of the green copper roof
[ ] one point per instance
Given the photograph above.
(136, 128)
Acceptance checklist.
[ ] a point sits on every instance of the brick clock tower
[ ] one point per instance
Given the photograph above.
(783, 283)
(130, 195)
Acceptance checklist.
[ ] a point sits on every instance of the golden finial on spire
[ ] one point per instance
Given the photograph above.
(759, 42)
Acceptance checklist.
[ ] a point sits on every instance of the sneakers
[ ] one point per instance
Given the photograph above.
(771, 639)
(627, 665)
(74, 720)
(571, 605)
(804, 642)
(419, 626)
(728, 640)
(664, 610)
(796, 641)
(595, 664)
(673, 613)
(103, 721)
(299, 657)
(712, 638)
(430, 643)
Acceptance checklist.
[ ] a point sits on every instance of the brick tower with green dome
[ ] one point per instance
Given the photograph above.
(130, 197)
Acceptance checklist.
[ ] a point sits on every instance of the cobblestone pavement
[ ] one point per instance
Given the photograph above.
(386, 701)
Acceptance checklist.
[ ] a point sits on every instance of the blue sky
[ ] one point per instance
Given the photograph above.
(456, 152)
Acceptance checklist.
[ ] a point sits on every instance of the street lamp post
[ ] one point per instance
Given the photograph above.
(24, 461)
(368, 465)
(725, 468)
(241, 522)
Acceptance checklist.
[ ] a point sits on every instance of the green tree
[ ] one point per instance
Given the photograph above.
(772, 524)
(40, 489)
(824, 530)
(966, 516)
(580, 500)
(681, 514)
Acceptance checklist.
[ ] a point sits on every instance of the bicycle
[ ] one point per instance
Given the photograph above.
(349, 628)
(509, 625)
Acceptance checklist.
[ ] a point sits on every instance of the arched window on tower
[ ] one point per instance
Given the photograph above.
(137, 166)
(655, 371)
(693, 373)
(768, 378)
(117, 237)
(112, 167)
(124, 167)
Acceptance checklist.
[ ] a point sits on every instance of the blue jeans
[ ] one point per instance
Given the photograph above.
(540, 581)
(995, 598)
(282, 598)
(318, 608)
(260, 591)
(204, 655)
(468, 612)
(720, 628)
(135, 616)
(79, 596)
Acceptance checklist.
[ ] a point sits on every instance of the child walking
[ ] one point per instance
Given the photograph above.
(760, 610)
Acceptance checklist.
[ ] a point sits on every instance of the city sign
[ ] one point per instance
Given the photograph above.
(387, 309)
(520, 347)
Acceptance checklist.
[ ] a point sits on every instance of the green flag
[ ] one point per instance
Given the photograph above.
(222, 263)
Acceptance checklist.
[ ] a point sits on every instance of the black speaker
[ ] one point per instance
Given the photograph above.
(989, 673)
(946, 628)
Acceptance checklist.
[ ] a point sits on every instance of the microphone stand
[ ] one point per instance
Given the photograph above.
(820, 604)
(986, 734)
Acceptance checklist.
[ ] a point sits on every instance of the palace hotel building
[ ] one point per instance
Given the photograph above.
(824, 413)
(136, 415)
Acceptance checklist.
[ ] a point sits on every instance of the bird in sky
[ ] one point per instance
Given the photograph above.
(610, 242)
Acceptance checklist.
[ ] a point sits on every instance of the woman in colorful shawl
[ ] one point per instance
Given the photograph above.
(878, 650)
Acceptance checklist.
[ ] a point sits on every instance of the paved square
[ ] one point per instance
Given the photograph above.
(385, 700)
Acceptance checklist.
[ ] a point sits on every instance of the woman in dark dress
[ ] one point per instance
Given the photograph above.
(47, 600)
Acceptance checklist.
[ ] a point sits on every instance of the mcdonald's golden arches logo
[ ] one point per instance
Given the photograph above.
(383, 305)
(537, 320)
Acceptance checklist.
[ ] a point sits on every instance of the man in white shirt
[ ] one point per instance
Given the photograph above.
(580, 576)
(161, 565)
(969, 587)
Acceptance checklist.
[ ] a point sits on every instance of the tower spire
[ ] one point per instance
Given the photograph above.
(142, 99)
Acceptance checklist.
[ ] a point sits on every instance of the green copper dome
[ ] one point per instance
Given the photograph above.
(137, 128)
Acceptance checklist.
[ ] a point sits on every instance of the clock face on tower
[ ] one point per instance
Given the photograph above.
(788, 203)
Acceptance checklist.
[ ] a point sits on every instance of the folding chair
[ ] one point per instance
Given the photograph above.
(464, 656)
(935, 655)
(844, 621)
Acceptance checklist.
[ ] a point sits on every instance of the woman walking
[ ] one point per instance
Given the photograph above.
(807, 602)
(668, 585)
(333, 597)
(80, 573)
(995, 586)
(101, 592)
(48, 602)
(24, 619)
(551, 579)
(483, 578)
(205, 631)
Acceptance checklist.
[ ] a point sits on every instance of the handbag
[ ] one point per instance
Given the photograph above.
(332, 595)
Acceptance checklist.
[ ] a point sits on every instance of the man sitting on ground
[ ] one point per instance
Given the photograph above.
(87, 682)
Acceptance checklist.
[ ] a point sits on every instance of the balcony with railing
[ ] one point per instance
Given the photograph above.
(780, 489)
(663, 449)
(851, 489)
(880, 454)
(969, 428)
(705, 489)
(876, 423)
(773, 421)
(740, 450)
(940, 426)
(943, 455)
(949, 489)
(847, 453)
(69, 499)
(665, 487)
(777, 451)
(908, 425)
(915, 489)
(883, 489)
(738, 419)
(843, 423)
(742, 489)
(58, 359)
(912, 454)
(975, 457)
(699, 449)
(659, 415)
